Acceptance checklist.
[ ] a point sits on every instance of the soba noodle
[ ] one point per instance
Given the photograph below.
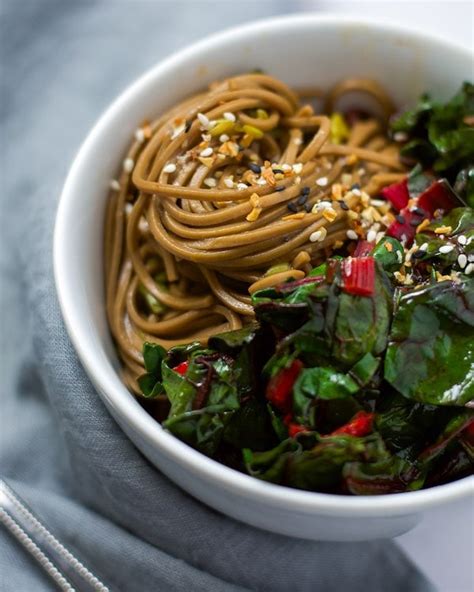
(237, 188)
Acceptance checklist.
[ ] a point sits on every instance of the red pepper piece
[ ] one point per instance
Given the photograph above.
(404, 230)
(181, 368)
(397, 194)
(363, 248)
(296, 428)
(439, 196)
(280, 386)
(358, 275)
(360, 425)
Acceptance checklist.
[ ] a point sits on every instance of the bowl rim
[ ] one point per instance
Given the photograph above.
(107, 380)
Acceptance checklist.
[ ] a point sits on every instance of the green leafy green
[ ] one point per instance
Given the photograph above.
(389, 253)
(439, 134)
(430, 356)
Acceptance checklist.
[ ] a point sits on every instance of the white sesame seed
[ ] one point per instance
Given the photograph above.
(469, 269)
(424, 247)
(128, 165)
(320, 206)
(128, 207)
(206, 152)
(224, 138)
(322, 181)
(400, 136)
(297, 180)
(352, 234)
(285, 167)
(210, 182)
(114, 184)
(470, 258)
(203, 120)
(399, 256)
(298, 141)
(297, 168)
(229, 116)
(178, 130)
(356, 192)
(261, 181)
(446, 249)
(139, 135)
(377, 202)
(462, 240)
(241, 186)
(228, 182)
(380, 236)
(315, 236)
(462, 261)
(371, 236)
(169, 168)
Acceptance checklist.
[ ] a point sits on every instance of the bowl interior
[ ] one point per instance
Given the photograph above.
(303, 50)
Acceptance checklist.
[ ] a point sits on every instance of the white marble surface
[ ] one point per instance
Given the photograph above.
(443, 544)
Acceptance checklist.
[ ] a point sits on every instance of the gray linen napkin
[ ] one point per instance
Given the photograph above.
(62, 63)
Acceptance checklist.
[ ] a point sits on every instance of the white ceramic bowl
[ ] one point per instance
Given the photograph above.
(303, 49)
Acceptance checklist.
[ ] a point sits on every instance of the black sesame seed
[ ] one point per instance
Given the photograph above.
(415, 221)
(305, 191)
(277, 171)
(419, 211)
(255, 168)
(280, 188)
(302, 199)
(187, 126)
(307, 207)
(343, 205)
(355, 186)
(292, 206)
(399, 218)
(418, 254)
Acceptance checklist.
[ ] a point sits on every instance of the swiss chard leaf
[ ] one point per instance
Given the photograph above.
(430, 356)
(390, 475)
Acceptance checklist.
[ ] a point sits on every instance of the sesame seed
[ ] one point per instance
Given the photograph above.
(380, 236)
(418, 254)
(355, 186)
(415, 221)
(139, 135)
(292, 206)
(277, 171)
(302, 199)
(305, 191)
(399, 256)
(229, 116)
(462, 261)
(446, 249)
(424, 247)
(321, 205)
(298, 141)
(169, 168)
(187, 126)
(257, 169)
(307, 207)
(224, 138)
(352, 234)
(343, 205)
(400, 136)
(378, 203)
(280, 188)
(285, 167)
(114, 184)
(297, 180)
(128, 165)
(261, 181)
(419, 211)
(371, 236)
(322, 181)
(317, 236)
(242, 186)
(228, 182)
(356, 192)
(210, 182)
(207, 151)
(470, 258)
(400, 219)
(297, 168)
(469, 269)
(203, 120)
(462, 240)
